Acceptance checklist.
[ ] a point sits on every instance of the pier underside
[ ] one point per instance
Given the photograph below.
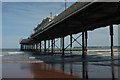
(94, 16)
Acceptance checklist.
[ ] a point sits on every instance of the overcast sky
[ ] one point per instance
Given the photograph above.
(20, 18)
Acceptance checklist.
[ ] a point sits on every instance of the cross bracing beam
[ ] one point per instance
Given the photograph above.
(75, 39)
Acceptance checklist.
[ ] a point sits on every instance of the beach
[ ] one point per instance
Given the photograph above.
(24, 64)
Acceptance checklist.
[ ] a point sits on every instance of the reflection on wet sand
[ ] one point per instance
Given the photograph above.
(43, 70)
(48, 71)
(84, 68)
(112, 69)
(107, 70)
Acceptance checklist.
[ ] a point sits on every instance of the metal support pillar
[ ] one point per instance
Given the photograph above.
(40, 46)
(86, 48)
(48, 45)
(83, 46)
(29, 47)
(63, 46)
(32, 47)
(111, 34)
(71, 44)
(25, 46)
(52, 45)
(36, 46)
(44, 45)
(21, 46)
(61, 41)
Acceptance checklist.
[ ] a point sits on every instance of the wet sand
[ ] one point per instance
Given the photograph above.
(56, 66)
(32, 70)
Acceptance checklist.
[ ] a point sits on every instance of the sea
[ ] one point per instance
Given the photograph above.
(97, 64)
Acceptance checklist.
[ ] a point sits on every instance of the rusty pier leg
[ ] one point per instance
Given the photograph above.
(36, 46)
(61, 41)
(30, 47)
(86, 48)
(21, 47)
(25, 47)
(48, 45)
(40, 46)
(83, 46)
(52, 45)
(71, 44)
(44, 45)
(111, 34)
(63, 46)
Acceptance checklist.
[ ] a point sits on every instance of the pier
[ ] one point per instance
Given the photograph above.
(80, 17)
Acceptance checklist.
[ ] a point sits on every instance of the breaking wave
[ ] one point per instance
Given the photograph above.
(15, 53)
